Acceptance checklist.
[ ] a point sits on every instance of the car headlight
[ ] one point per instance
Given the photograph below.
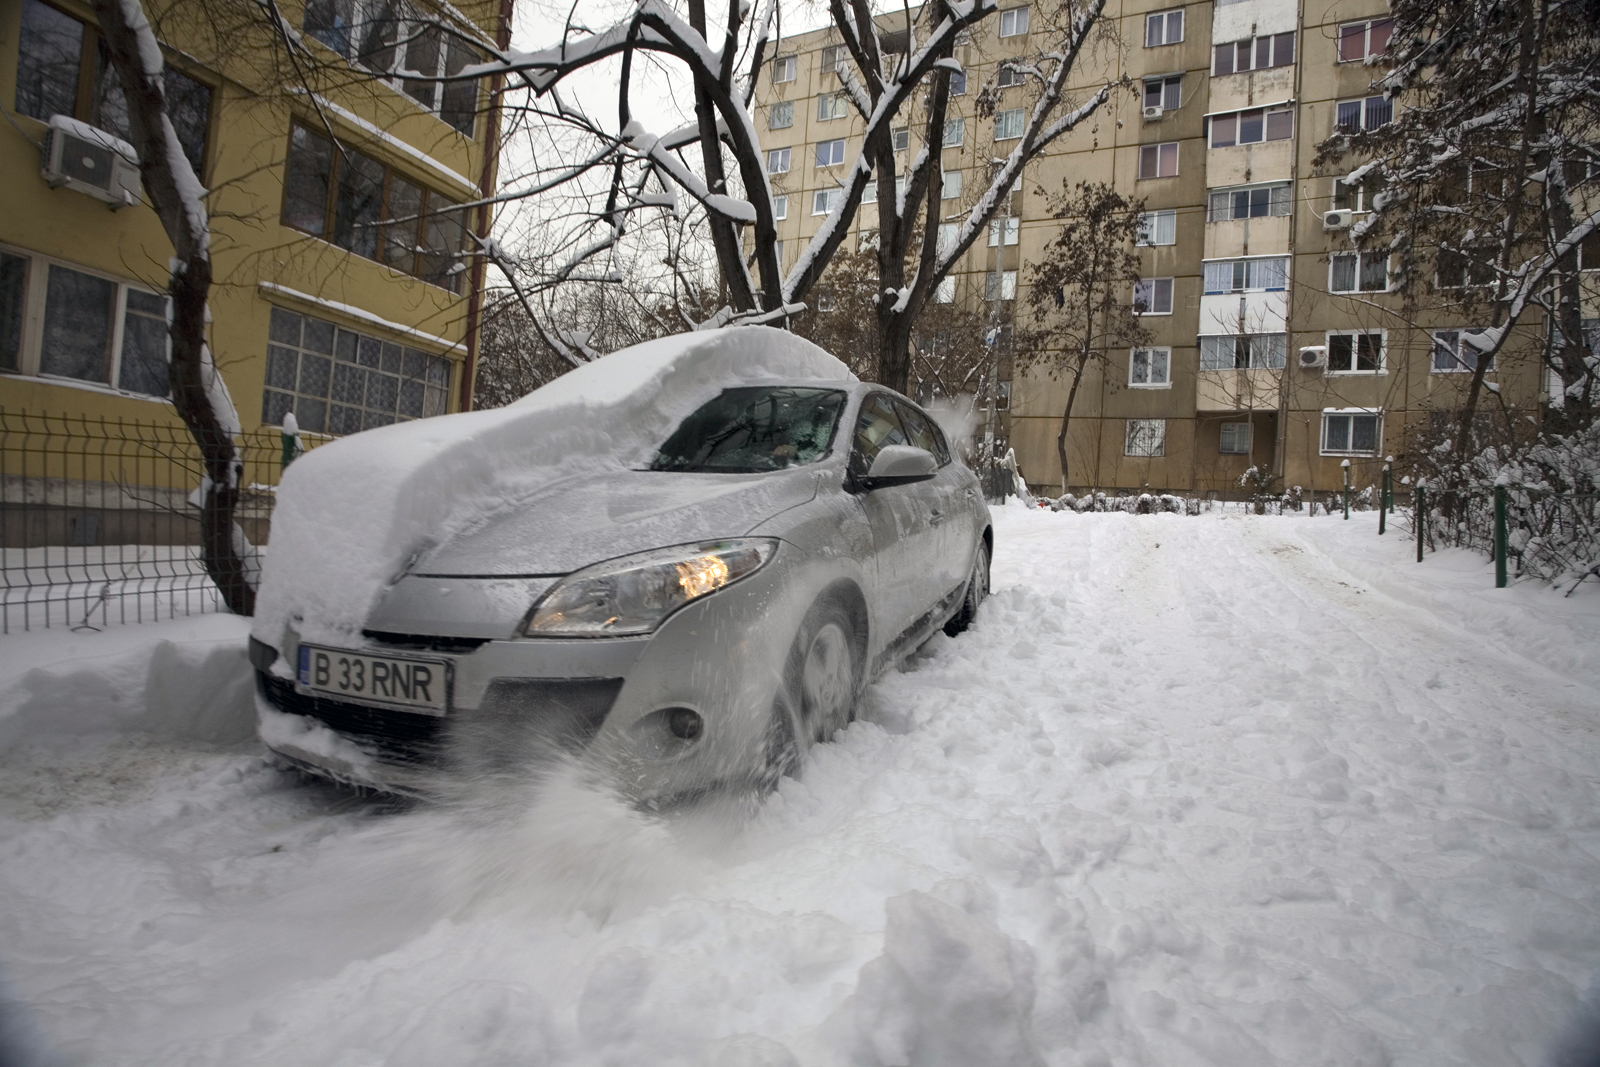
(633, 594)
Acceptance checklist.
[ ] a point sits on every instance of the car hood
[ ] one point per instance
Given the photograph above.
(588, 518)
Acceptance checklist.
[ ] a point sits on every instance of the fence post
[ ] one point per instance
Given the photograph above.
(1388, 483)
(1420, 515)
(1344, 469)
(1383, 501)
(1499, 537)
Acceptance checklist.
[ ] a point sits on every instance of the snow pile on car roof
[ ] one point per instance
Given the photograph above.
(351, 514)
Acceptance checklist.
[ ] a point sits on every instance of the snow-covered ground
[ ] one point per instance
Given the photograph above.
(1193, 791)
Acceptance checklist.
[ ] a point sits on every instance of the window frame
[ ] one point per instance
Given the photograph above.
(1222, 438)
(832, 106)
(789, 63)
(1272, 356)
(1363, 28)
(1151, 351)
(1281, 53)
(837, 142)
(780, 207)
(780, 107)
(1350, 415)
(1004, 120)
(1167, 87)
(33, 318)
(1367, 105)
(950, 184)
(1013, 230)
(1159, 154)
(900, 138)
(1286, 202)
(1234, 122)
(1361, 259)
(1017, 18)
(424, 218)
(1003, 280)
(1151, 225)
(1355, 369)
(1461, 365)
(1360, 197)
(1139, 431)
(1164, 20)
(1245, 266)
(958, 125)
(1153, 286)
(775, 154)
(825, 197)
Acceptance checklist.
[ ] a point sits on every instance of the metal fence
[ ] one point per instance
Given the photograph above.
(96, 524)
(1529, 531)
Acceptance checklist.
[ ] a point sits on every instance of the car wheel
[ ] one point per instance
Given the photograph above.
(818, 695)
(977, 589)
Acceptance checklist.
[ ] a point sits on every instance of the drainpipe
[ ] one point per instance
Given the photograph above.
(1281, 437)
(486, 183)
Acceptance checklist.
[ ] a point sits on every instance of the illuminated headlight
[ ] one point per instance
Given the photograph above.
(633, 594)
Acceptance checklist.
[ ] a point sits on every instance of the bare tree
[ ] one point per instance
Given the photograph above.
(1480, 155)
(895, 67)
(1081, 294)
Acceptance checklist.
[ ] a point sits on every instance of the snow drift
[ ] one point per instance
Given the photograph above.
(352, 515)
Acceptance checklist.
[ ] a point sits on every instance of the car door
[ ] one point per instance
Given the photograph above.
(901, 520)
(947, 501)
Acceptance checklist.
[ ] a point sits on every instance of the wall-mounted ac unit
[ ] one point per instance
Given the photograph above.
(1337, 220)
(1153, 112)
(1313, 357)
(80, 157)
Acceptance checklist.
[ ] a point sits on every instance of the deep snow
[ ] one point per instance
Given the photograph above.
(1193, 791)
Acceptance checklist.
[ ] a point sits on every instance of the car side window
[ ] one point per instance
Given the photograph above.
(877, 426)
(922, 432)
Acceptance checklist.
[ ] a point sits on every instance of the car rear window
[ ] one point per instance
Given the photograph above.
(754, 428)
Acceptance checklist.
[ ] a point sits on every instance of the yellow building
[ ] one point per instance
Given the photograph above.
(1246, 253)
(346, 289)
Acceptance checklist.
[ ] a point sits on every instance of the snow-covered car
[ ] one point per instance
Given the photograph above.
(680, 563)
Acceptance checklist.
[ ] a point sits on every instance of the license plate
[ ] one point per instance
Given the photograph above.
(412, 683)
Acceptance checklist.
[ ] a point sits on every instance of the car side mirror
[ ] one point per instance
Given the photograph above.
(900, 465)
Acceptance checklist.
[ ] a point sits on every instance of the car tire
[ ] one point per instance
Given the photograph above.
(821, 681)
(977, 590)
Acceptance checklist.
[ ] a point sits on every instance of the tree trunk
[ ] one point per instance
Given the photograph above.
(174, 192)
(1066, 418)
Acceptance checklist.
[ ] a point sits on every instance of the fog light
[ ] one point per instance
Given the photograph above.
(684, 724)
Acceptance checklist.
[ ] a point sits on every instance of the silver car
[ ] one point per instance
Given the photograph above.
(676, 648)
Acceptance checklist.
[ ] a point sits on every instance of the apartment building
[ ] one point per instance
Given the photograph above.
(1275, 344)
(345, 287)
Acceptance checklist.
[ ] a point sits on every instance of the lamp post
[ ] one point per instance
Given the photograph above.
(1344, 468)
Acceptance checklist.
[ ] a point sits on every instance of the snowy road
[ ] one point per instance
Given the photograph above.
(1194, 791)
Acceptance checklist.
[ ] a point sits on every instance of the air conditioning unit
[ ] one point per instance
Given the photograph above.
(1153, 112)
(87, 160)
(1314, 357)
(1337, 220)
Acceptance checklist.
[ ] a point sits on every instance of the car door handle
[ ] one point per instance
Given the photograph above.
(935, 517)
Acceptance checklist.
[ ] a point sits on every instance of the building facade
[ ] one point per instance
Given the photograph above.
(340, 195)
(1275, 345)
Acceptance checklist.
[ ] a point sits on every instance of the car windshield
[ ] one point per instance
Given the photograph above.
(754, 428)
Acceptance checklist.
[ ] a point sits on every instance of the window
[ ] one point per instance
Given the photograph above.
(824, 200)
(1355, 351)
(1252, 127)
(93, 328)
(833, 58)
(900, 138)
(1011, 226)
(777, 247)
(1363, 40)
(1152, 296)
(1353, 116)
(783, 69)
(780, 116)
(1256, 274)
(1235, 439)
(1257, 351)
(1351, 432)
(1456, 268)
(1257, 53)
(1146, 437)
(1150, 368)
(1000, 285)
(869, 194)
(1589, 252)
(1163, 27)
(1358, 272)
(955, 132)
(1457, 351)
(950, 185)
(1014, 23)
(57, 56)
(958, 83)
(831, 106)
(778, 161)
(1158, 228)
(946, 291)
(1158, 160)
(923, 432)
(947, 236)
(338, 381)
(1165, 93)
(1356, 196)
(780, 208)
(404, 48)
(1248, 202)
(1007, 76)
(1008, 124)
(830, 153)
(365, 207)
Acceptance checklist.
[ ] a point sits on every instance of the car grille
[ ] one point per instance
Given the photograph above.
(426, 642)
(399, 736)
